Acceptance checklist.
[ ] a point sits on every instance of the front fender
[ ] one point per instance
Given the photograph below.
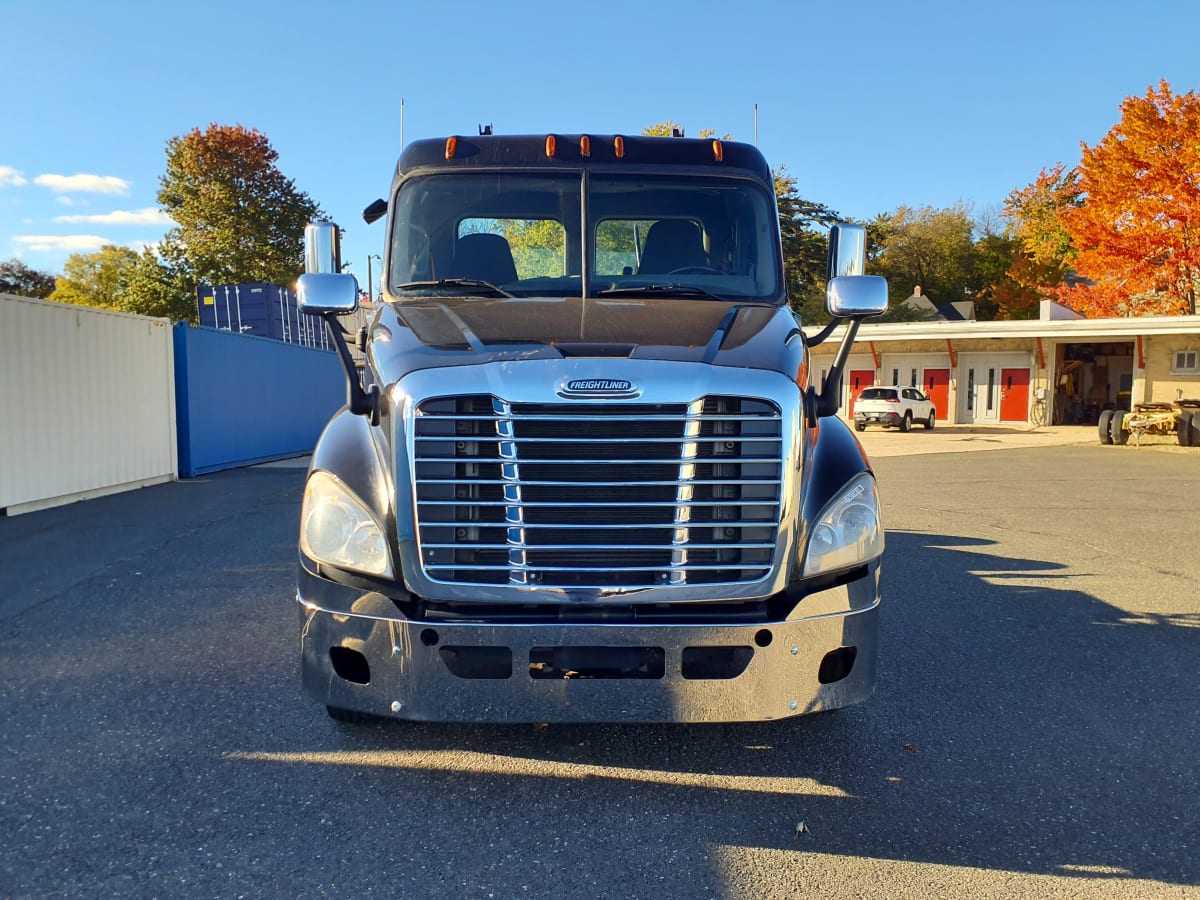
(834, 458)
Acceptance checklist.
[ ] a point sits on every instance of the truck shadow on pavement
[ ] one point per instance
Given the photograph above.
(1019, 725)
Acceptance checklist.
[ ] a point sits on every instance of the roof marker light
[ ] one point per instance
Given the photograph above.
(451, 147)
(585, 146)
(619, 146)
(551, 145)
(718, 151)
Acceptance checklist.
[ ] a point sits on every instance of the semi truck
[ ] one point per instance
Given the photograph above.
(584, 472)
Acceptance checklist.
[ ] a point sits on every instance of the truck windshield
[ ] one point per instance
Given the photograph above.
(528, 234)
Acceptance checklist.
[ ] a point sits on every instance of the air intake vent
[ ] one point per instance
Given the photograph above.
(597, 495)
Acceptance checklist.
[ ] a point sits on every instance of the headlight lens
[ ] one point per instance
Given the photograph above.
(336, 528)
(848, 532)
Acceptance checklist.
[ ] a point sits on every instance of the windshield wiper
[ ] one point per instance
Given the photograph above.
(685, 290)
(476, 286)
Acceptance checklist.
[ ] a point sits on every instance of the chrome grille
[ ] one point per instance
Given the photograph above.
(597, 495)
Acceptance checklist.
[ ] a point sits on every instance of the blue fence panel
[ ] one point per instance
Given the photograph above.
(241, 400)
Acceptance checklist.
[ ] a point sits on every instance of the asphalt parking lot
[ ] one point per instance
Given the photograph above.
(1034, 732)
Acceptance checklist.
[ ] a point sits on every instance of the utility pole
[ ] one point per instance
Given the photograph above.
(370, 290)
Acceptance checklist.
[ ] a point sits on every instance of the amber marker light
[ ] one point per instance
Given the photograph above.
(451, 147)
(585, 146)
(619, 146)
(551, 145)
(718, 151)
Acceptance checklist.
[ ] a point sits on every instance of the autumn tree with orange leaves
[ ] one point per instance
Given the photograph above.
(1127, 220)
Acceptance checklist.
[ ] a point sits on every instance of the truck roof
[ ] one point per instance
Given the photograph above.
(578, 150)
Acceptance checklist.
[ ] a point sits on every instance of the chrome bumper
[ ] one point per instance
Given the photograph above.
(359, 653)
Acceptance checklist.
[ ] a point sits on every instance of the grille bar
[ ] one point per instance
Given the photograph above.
(597, 495)
(634, 503)
(532, 483)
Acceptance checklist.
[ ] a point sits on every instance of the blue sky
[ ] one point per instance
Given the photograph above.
(870, 105)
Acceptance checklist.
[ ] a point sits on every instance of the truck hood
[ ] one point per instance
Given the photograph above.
(423, 334)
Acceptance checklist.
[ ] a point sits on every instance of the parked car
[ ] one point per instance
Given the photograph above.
(893, 407)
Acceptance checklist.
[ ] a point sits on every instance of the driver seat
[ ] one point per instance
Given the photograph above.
(487, 257)
(672, 244)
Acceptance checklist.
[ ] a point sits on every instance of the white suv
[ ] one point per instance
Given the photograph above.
(897, 407)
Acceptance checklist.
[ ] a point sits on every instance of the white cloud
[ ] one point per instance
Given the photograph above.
(58, 243)
(91, 184)
(64, 200)
(149, 216)
(11, 177)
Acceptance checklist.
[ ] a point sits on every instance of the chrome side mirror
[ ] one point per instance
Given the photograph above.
(851, 296)
(318, 293)
(849, 293)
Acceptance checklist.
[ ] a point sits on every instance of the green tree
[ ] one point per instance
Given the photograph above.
(804, 226)
(933, 249)
(239, 218)
(155, 288)
(998, 295)
(96, 279)
(665, 128)
(18, 278)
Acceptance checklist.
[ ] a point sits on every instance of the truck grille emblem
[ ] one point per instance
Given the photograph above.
(598, 387)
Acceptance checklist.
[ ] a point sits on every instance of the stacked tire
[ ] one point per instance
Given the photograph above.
(1116, 427)
(1187, 428)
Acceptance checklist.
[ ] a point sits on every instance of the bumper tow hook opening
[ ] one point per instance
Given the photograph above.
(350, 665)
(836, 664)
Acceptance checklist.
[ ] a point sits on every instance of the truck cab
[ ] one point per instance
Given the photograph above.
(582, 474)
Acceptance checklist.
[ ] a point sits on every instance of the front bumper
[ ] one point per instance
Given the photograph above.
(359, 653)
(877, 418)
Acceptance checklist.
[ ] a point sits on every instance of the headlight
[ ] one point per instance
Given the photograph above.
(336, 528)
(848, 532)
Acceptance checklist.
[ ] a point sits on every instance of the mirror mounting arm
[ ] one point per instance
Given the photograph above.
(361, 402)
(827, 401)
(823, 335)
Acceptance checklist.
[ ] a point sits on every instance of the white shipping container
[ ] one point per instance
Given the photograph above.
(87, 403)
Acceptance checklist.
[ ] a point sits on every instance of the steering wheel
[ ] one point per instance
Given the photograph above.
(695, 270)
